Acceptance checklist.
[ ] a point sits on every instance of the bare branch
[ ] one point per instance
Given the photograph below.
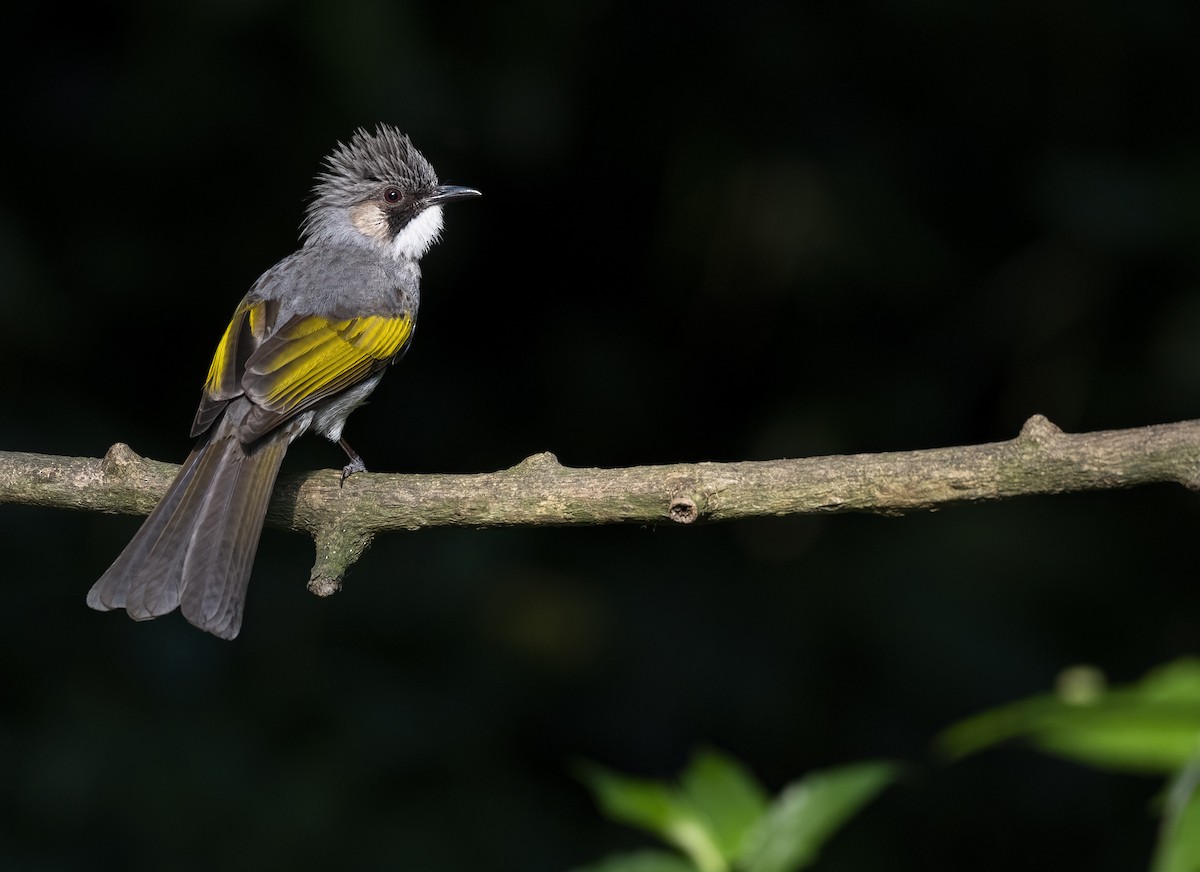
(540, 491)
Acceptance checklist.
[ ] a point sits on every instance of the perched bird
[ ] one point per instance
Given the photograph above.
(306, 346)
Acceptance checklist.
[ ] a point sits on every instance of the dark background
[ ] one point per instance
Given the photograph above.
(709, 232)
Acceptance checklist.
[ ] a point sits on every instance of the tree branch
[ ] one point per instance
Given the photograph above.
(540, 491)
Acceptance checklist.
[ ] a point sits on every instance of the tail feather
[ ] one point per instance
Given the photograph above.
(197, 547)
(157, 582)
(225, 539)
(124, 584)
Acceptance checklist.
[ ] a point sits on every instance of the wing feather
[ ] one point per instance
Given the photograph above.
(286, 370)
(311, 358)
(249, 326)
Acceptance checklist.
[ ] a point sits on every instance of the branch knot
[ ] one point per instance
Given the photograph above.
(542, 460)
(683, 510)
(1040, 431)
(120, 457)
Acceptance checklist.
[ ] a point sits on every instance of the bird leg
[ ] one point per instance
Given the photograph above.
(355, 465)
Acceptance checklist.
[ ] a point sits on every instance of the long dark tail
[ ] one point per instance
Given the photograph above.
(197, 547)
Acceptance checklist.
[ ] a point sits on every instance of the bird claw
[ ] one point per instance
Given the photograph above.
(355, 465)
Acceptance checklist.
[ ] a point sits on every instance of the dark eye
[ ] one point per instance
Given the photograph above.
(392, 194)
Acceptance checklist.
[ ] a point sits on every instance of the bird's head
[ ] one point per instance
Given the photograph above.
(378, 190)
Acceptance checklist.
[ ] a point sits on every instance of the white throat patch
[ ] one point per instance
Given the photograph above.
(418, 234)
(412, 242)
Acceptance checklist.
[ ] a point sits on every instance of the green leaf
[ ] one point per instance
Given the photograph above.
(726, 795)
(1144, 740)
(809, 811)
(1151, 727)
(1178, 681)
(1179, 838)
(658, 808)
(641, 861)
(636, 801)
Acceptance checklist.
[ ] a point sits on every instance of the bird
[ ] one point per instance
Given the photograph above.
(307, 345)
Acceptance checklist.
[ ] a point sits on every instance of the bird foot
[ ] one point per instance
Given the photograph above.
(355, 465)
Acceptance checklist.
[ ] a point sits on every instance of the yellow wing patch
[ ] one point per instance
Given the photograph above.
(245, 333)
(314, 357)
(225, 371)
(286, 370)
(223, 362)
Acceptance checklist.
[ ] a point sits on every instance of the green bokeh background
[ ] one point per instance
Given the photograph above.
(709, 232)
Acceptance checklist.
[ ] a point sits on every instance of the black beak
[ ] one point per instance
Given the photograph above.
(449, 193)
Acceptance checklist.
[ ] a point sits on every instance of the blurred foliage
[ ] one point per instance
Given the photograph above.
(1151, 726)
(1179, 837)
(721, 818)
(708, 232)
